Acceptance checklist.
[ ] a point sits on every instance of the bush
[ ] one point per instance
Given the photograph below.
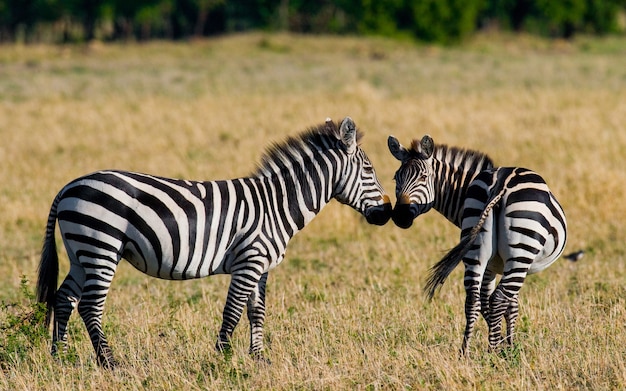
(21, 327)
(554, 18)
(443, 21)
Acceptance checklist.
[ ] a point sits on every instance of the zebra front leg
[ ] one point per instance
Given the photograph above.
(241, 286)
(256, 316)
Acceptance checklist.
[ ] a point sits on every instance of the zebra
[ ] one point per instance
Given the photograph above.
(511, 224)
(179, 229)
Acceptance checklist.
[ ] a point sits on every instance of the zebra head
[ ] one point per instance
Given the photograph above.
(414, 179)
(358, 185)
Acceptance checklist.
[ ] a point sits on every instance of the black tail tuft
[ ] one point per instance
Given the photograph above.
(49, 266)
(442, 269)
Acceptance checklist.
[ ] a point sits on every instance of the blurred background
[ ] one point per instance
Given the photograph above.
(440, 21)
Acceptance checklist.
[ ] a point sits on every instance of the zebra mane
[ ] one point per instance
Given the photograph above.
(455, 156)
(294, 148)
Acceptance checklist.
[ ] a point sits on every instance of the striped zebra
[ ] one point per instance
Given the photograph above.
(511, 224)
(178, 229)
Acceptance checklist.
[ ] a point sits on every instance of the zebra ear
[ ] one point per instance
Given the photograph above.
(427, 145)
(396, 149)
(330, 125)
(347, 132)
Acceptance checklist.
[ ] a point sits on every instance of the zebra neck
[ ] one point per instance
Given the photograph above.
(297, 195)
(451, 185)
(447, 196)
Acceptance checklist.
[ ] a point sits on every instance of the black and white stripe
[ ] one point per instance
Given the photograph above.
(510, 222)
(177, 229)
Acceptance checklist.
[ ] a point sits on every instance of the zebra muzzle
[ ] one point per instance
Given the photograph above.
(380, 214)
(404, 214)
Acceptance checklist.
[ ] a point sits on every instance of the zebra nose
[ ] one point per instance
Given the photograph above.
(403, 215)
(380, 214)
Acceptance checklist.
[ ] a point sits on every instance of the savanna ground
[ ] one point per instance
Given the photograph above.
(346, 308)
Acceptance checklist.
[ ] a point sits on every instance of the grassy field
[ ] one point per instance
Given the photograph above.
(346, 308)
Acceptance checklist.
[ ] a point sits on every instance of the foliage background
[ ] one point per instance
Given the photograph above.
(443, 21)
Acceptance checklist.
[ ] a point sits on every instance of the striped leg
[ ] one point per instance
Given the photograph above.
(486, 290)
(476, 261)
(256, 316)
(67, 297)
(91, 308)
(501, 301)
(242, 284)
(472, 308)
(511, 319)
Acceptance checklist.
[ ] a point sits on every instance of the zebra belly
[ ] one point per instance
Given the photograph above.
(172, 269)
(170, 266)
(94, 234)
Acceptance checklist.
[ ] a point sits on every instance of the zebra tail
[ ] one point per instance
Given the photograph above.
(442, 269)
(49, 265)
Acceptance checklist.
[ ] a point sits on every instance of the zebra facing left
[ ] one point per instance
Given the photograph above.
(177, 229)
(511, 224)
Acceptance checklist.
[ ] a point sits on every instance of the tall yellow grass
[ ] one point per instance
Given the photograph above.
(345, 309)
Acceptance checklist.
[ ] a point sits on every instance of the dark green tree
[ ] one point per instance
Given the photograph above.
(445, 21)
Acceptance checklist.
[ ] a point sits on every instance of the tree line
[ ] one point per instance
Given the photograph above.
(441, 21)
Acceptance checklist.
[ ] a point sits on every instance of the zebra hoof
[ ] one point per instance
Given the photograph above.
(105, 356)
(222, 346)
(260, 358)
(108, 363)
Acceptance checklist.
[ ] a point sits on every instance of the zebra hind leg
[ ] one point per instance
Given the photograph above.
(67, 297)
(486, 290)
(498, 302)
(478, 282)
(91, 312)
(472, 310)
(503, 303)
(477, 279)
(511, 319)
(256, 316)
(91, 308)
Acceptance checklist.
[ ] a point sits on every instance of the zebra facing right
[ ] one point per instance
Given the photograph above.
(177, 229)
(511, 224)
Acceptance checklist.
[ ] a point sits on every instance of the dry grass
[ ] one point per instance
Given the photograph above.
(345, 310)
